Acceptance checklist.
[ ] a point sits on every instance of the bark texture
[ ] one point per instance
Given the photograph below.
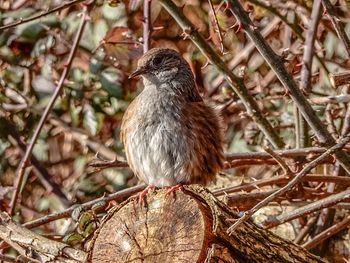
(188, 226)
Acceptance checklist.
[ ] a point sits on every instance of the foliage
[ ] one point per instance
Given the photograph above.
(86, 118)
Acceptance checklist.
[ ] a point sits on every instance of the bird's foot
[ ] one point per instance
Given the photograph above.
(141, 195)
(174, 188)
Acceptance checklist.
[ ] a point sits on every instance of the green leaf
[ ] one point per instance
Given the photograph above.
(113, 13)
(100, 30)
(73, 238)
(110, 82)
(90, 119)
(20, 13)
(85, 219)
(31, 31)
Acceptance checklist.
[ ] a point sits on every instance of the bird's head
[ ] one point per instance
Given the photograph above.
(160, 65)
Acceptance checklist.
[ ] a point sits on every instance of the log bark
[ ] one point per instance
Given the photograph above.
(188, 226)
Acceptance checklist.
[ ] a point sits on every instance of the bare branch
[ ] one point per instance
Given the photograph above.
(235, 82)
(290, 185)
(42, 14)
(308, 209)
(338, 26)
(147, 26)
(276, 63)
(24, 162)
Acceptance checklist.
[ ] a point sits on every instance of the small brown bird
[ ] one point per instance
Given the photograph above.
(171, 136)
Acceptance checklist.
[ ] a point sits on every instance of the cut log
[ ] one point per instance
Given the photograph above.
(188, 226)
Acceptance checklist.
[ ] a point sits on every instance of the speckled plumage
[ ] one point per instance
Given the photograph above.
(170, 135)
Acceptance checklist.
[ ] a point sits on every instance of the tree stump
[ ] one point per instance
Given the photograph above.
(188, 226)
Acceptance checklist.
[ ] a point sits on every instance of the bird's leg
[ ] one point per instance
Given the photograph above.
(141, 195)
(173, 188)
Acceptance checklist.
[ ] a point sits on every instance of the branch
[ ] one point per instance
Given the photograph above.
(235, 82)
(305, 74)
(217, 26)
(339, 79)
(37, 248)
(277, 65)
(291, 153)
(86, 206)
(290, 185)
(338, 26)
(42, 14)
(302, 128)
(147, 26)
(24, 161)
(327, 233)
(308, 209)
(41, 172)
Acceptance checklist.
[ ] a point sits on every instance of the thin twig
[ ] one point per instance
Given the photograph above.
(235, 82)
(147, 25)
(282, 179)
(295, 27)
(41, 172)
(42, 14)
(308, 209)
(6, 258)
(280, 161)
(327, 233)
(24, 162)
(243, 54)
(217, 26)
(276, 63)
(290, 185)
(85, 206)
(305, 74)
(340, 78)
(290, 153)
(338, 26)
(305, 230)
(306, 70)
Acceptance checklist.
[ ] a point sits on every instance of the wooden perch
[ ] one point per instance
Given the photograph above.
(339, 79)
(190, 226)
(34, 247)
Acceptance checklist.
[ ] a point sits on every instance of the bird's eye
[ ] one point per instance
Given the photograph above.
(157, 61)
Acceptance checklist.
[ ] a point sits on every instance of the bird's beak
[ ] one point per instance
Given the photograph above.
(137, 72)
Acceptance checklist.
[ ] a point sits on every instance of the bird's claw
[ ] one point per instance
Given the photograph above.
(141, 195)
(174, 188)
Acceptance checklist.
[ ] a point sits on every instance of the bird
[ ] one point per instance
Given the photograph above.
(171, 136)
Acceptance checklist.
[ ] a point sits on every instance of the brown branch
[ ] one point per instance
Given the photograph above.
(327, 233)
(308, 209)
(217, 26)
(34, 247)
(276, 63)
(290, 153)
(305, 74)
(41, 172)
(118, 196)
(345, 98)
(295, 27)
(6, 258)
(280, 162)
(282, 179)
(305, 230)
(338, 26)
(302, 128)
(242, 55)
(290, 185)
(42, 14)
(339, 79)
(59, 87)
(235, 82)
(147, 25)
